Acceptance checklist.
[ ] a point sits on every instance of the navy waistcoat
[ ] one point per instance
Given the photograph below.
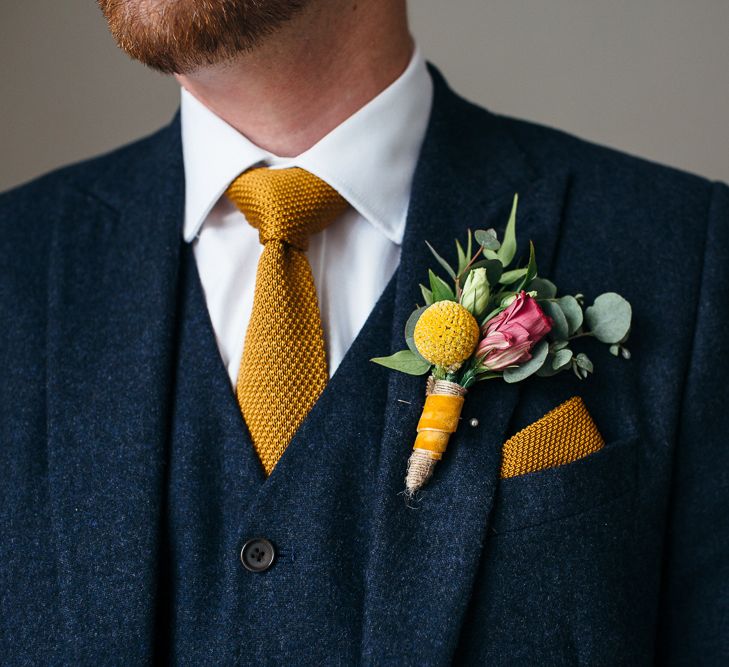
(213, 610)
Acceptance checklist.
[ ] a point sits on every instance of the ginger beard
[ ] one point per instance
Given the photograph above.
(179, 36)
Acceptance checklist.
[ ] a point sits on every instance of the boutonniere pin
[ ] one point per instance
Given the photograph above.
(493, 321)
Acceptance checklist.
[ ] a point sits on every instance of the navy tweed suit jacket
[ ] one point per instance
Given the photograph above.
(621, 558)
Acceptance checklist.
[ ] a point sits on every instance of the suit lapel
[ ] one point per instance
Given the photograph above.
(111, 319)
(424, 558)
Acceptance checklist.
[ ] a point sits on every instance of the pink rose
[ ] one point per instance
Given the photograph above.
(509, 337)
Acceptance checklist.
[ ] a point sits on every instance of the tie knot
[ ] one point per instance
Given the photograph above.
(286, 205)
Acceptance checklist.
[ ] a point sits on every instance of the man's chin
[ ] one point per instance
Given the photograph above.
(181, 36)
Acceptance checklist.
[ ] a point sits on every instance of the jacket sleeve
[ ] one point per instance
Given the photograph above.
(694, 613)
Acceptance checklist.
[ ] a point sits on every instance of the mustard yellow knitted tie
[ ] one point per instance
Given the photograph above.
(283, 369)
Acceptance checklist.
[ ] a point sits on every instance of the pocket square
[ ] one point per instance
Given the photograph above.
(563, 435)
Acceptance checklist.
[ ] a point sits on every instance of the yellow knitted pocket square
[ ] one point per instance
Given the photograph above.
(563, 435)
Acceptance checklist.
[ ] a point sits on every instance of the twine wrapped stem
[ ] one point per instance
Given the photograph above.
(441, 412)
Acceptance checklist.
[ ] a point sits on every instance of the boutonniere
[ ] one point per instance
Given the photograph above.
(493, 321)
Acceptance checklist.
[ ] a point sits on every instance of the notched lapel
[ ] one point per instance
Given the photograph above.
(113, 273)
(424, 557)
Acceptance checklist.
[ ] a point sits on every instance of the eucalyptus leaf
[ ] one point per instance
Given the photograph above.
(572, 311)
(609, 318)
(560, 328)
(539, 356)
(490, 254)
(427, 295)
(562, 359)
(544, 288)
(487, 239)
(508, 248)
(404, 361)
(558, 345)
(449, 270)
(547, 370)
(583, 361)
(440, 288)
(410, 329)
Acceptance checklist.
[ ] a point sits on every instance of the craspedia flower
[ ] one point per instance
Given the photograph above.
(446, 334)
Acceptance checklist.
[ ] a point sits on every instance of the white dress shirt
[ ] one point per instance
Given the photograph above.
(369, 159)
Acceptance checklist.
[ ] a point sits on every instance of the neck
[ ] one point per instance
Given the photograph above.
(309, 77)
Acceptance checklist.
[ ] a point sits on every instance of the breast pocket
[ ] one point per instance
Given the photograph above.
(567, 490)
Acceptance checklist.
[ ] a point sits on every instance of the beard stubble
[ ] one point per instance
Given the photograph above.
(180, 36)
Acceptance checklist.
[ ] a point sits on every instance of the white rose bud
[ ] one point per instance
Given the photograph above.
(475, 295)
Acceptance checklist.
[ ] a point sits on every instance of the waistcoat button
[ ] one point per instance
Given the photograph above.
(257, 554)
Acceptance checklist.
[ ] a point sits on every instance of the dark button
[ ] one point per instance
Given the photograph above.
(257, 554)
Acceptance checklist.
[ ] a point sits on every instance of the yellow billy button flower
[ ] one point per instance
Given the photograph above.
(446, 334)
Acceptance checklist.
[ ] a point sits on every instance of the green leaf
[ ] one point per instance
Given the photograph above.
(509, 277)
(519, 373)
(609, 318)
(560, 328)
(462, 259)
(404, 361)
(442, 262)
(490, 254)
(562, 359)
(507, 298)
(491, 315)
(494, 270)
(544, 288)
(508, 248)
(427, 295)
(469, 246)
(440, 288)
(531, 271)
(410, 329)
(572, 311)
(486, 376)
(487, 239)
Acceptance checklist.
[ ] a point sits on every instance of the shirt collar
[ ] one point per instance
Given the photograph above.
(369, 159)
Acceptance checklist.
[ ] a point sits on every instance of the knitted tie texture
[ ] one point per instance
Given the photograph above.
(283, 369)
(562, 436)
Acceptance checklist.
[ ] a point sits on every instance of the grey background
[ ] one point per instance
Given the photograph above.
(650, 77)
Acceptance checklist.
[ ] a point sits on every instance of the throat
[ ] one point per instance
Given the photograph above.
(308, 77)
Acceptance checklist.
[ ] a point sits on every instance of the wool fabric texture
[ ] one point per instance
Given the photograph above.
(283, 370)
(618, 558)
